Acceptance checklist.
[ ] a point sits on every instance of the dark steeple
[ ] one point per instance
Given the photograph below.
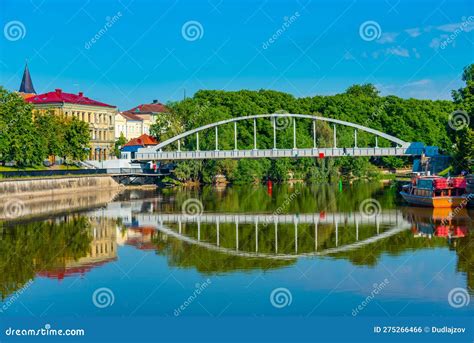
(26, 83)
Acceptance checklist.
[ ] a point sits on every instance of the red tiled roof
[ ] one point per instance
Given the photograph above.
(143, 140)
(58, 96)
(131, 116)
(154, 107)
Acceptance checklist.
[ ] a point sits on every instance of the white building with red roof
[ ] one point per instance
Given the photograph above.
(137, 121)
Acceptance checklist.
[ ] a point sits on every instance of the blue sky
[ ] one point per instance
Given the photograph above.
(408, 48)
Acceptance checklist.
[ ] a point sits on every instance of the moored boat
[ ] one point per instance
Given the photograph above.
(436, 191)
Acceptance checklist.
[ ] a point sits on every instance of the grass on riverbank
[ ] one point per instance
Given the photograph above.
(60, 167)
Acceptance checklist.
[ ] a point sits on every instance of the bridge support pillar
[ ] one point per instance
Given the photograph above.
(236, 234)
(276, 237)
(256, 235)
(316, 236)
(314, 134)
(255, 134)
(217, 139)
(199, 230)
(235, 135)
(357, 230)
(296, 236)
(334, 136)
(274, 133)
(294, 133)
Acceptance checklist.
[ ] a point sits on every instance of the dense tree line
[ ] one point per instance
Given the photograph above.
(411, 120)
(27, 138)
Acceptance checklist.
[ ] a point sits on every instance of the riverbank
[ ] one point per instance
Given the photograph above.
(33, 197)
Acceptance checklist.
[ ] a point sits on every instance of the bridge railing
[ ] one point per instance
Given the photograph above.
(155, 153)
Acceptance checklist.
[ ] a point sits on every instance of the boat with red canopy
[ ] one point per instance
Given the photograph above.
(437, 191)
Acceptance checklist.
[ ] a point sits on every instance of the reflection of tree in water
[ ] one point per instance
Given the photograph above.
(186, 255)
(394, 245)
(256, 198)
(207, 260)
(407, 240)
(465, 264)
(26, 249)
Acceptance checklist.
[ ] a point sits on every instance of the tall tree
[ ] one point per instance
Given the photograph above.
(464, 136)
(19, 141)
(76, 139)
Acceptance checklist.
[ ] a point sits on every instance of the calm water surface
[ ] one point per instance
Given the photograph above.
(148, 256)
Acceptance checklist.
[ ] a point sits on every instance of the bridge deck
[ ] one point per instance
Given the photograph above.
(150, 154)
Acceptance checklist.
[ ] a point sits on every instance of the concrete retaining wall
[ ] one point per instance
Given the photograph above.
(41, 187)
(35, 197)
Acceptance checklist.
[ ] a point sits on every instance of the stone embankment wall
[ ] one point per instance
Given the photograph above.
(36, 197)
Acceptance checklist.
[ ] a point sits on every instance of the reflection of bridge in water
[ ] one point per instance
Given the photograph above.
(193, 229)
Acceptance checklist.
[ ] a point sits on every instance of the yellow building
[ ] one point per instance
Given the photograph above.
(137, 121)
(131, 126)
(99, 116)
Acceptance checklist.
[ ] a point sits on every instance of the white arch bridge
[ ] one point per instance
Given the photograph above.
(156, 153)
(392, 222)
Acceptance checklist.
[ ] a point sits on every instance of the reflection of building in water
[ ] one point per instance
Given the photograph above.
(103, 249)
(438, 222)
(139, 237)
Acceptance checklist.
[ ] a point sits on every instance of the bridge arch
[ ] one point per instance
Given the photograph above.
(281, 115)
(156, 153)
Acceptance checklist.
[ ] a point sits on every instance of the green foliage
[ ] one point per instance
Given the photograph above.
(76, 139)
(26, 249)
(409, 119)
(464, 138)
(27, 140)
(19, 141)
(51, 131)
(121, 141)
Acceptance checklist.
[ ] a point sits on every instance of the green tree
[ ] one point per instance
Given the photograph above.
(120, 142)
(464, 136)
(76, 139)
(51, 130)
(19, 140)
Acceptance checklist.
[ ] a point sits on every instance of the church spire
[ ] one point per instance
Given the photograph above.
(26, 83)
